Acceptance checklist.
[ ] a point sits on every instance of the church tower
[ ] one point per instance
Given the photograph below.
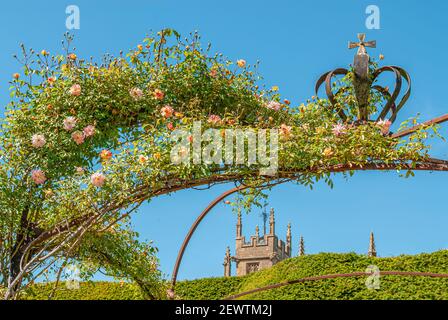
(258, 252)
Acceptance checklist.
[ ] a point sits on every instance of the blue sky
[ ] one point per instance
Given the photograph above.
(295, 41)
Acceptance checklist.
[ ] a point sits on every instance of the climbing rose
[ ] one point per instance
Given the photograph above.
(274, 105)
(241, 63)
(338, 129)
(167, 111)
(384, 125)
(285, 131)
(38, 176)
(105, 154)
(38, 141)
(89, 130)
(79, 170)
(16, 76)
(70, 123)
(51, 80)
(213, 73)
(214, 119)
(75, 90)
(158, 94)
(78, 137)
(98, 179)
(142, 159)
(136, 93)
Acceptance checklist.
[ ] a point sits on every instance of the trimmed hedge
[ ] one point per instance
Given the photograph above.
(391, 287)
(100, 290)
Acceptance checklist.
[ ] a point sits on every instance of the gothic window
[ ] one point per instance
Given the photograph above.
(252, 267)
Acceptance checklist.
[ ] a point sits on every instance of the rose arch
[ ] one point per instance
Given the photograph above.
(85, 143)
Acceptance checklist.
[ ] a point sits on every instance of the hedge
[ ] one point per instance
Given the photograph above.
(391, 287)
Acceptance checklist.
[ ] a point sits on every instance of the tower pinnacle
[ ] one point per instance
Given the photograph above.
(272, 222)
(239, 225)
(288, 238)
(301, 247)
(372, 248)
(227, 263)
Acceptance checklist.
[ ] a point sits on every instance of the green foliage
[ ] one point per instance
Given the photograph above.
(121, 255)
(208, 289)
(86, 291)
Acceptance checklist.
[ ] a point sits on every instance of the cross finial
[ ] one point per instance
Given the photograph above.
(362, 44)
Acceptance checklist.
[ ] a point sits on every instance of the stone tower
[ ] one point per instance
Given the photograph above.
(259, 252)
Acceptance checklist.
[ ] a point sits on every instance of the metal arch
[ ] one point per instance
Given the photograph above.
(195, 225)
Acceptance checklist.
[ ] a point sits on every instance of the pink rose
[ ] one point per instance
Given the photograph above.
(158, 94)
(142, 159)
(89, 130)
(79, 170)
(274, 105)
(38, 176)
(78, 137)
(98, 179)
(75, 90)
(70, 123)
(214, 119)
(384, 126)
(38, 140)
(170, 126)
(241, 63)
(105, 155)
(338, 129)
(167, 111)
(285, 131)
(136, 93)
(213, 73)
